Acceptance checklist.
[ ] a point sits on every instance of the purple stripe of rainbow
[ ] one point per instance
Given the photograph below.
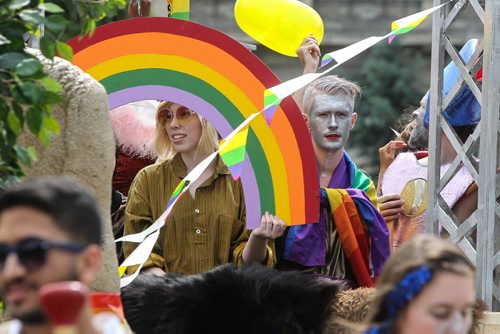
(327, 59)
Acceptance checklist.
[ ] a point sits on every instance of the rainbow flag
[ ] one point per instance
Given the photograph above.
(361, 228)
(364, 194)
(398, 27)
(178, 9)
(139, 237)
(274, 95)
(271, 103)
(233, 151)
(351, 51)
(176, 194)
(410, 22)
(122, 270)
(327, 59)
(360, 180)
(352, 234)
(362, 232)
(138, 257)
(402, 26)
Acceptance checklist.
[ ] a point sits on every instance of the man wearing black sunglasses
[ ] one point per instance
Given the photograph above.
(50, 230)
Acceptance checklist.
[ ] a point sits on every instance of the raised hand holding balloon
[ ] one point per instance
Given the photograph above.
(280, 25)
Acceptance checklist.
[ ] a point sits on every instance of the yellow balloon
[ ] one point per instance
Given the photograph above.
(281, 25)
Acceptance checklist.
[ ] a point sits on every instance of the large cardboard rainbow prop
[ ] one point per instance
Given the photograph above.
(209, 72)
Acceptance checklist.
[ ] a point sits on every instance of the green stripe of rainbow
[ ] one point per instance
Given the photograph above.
(159, 58)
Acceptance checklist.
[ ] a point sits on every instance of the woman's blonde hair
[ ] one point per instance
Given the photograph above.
(423, 251)
(208, 143)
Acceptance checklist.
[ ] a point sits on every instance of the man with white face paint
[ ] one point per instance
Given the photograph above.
(403, 186)
(330, 120)
(350, 242)
(419, 136)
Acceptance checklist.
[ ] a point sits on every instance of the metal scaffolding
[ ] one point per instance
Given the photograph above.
(479, 235)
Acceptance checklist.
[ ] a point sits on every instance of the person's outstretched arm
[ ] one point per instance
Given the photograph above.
(309, 54)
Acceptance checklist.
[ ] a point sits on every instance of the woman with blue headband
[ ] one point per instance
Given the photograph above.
(428, 286)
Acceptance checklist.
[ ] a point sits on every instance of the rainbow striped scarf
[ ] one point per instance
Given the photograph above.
(351, 199)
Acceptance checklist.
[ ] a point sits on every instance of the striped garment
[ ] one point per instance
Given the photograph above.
(351, 200)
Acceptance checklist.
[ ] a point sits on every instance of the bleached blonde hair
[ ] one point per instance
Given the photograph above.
(329, 85)
(208, 142)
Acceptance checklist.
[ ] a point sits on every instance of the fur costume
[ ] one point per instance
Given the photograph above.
(254, 299)
(352, 305)
(134, 129)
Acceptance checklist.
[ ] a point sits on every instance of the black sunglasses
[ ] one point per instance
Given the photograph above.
(32, 252)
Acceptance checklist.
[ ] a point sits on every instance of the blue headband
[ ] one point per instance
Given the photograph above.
(464, 109)
(400, 296)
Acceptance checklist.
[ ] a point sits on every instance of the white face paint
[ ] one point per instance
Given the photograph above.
(419, 137)
(444, 306)
(330, 120)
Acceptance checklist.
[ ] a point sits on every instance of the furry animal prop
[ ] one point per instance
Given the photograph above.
(134, 129)
(352, 305)
(254, 299)
(350, 309)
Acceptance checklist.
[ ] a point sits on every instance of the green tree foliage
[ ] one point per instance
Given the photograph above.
(393, 79)
(27, 95)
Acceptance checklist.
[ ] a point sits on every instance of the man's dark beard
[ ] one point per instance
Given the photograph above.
(34, 318)
(419, 139)
(37, 317)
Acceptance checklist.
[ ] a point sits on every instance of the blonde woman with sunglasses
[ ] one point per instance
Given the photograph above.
(207, 227)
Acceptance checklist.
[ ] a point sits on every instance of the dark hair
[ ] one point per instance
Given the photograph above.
(71, 205)
(463, 132)
(404, 119)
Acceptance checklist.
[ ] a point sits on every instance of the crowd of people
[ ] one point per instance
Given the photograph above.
(368, 236)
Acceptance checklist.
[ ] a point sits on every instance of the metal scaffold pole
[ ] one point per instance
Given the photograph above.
(479, 235)
(489, 186)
